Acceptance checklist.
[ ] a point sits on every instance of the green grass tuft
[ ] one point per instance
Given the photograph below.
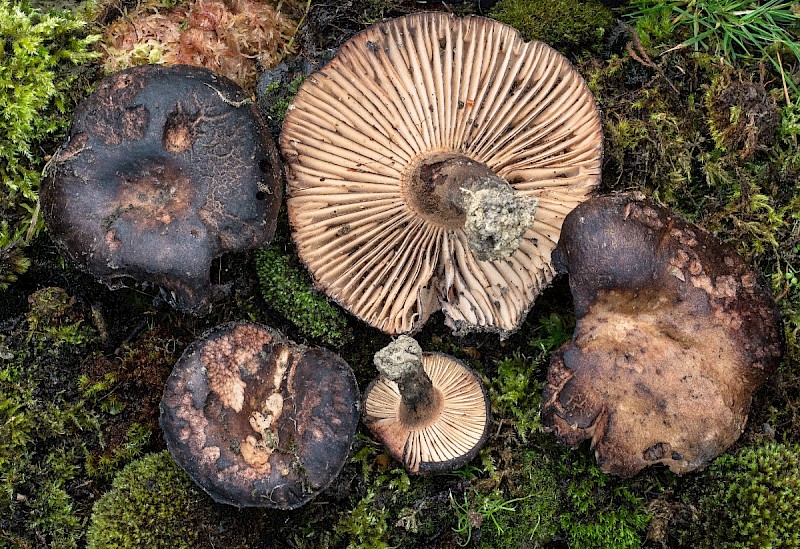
(734, 29)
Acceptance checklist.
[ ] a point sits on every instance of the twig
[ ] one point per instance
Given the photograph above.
(783, 81)
(637, 52)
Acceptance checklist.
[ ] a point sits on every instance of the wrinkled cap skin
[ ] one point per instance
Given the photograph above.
(364, 134)
(165, 169)
(257, 420)
(447, 437)
(674, 333)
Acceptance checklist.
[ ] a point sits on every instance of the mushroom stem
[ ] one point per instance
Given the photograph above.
(497, 218)
(401, 362)
(459, 192)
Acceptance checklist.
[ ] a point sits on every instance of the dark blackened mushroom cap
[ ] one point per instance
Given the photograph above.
(674, 333)
(430, 165)
(257, 420)
(164, 170)
(429, 410)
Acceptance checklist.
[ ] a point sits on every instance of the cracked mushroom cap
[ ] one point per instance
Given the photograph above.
(674, 333)
(378, 142)
(165, 169)
(444, 436)
(257, 420)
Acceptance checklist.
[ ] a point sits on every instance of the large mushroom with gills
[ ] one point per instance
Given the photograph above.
(165, 170)
(429, 410)
(674, 333)
(430, 165)
(257, 420)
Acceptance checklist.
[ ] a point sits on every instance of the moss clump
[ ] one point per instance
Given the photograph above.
(532, 508)
(567, 25)
(286, 287)
(516, 394)
(743, 118)
(46, 428)
(152, 503)
(55, 321)
(38, 53)
(12, 260)
(274, 100)
(365, 526)
(237, 39)
(601, 511)
(753, 499)
(514, 390)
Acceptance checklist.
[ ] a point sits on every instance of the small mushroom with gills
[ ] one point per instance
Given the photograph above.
(428, 409)
(674, 333)
(257, 420)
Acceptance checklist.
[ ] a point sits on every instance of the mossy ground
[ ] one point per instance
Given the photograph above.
(82, 368)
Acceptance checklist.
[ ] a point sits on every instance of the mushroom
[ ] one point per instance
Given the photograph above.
(165, 170)
(430, 165)
(257, 420)
(674, 333)
(429, 409)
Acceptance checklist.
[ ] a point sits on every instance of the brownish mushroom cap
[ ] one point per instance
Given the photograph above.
(431, 412)
(430, 166)
(164, 170)
(257, 420)
(674, 333)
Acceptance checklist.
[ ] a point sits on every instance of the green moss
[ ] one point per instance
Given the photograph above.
(654, 28)
(282, 97)
(46, 428)
(137, 439)
(567, 25)
(152, 503)
(286, 287)
(752, 499)
(788, 139)
(742, 116)
(38, 53)
(365, 526)
(516, 394)
(12, 260)
(514, 390)
(53, 320)
(600, 511)
(531, 508)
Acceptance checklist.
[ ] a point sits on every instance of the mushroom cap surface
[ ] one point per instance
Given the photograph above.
(257, 420)
(164, 170)
(674, 333)
(451, 435)
(401, 95)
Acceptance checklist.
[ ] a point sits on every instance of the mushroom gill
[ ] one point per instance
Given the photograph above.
(430, 166)
(428, 409)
